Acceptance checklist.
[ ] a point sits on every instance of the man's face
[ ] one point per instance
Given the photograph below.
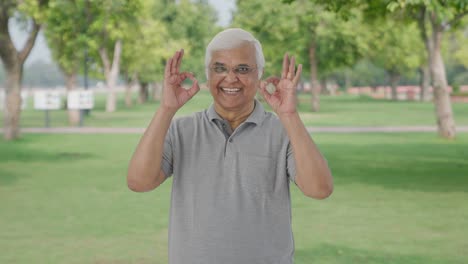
(233, 77)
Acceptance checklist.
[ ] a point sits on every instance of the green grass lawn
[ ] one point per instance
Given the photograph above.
(342, 110)
(399, 198)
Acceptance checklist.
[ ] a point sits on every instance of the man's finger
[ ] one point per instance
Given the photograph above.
(179, 60)
(285, 66)
(174, 62)
(292, 66)
(298, 74)
(167, 70)
(273, 79)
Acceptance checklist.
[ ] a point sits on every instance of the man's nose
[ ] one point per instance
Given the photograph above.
(231, 76)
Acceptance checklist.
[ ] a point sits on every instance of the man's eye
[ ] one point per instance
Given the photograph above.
(219, 69)
(243, 69)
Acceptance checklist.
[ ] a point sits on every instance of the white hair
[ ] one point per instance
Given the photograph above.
(233, 38)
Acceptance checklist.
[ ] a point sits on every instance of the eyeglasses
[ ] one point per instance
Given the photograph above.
(223, 70)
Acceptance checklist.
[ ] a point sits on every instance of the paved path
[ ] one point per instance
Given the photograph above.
(129, 130)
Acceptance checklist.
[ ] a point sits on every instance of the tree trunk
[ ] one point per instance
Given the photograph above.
(128, 94)
(425, 71)
(394, 80)
(13, 61)
(314, 82)
(111, 72)
(130, 82)
(12, 111)
(443, 105)
(143, 93)
(424, 82)
(157, 91)
(73, 114)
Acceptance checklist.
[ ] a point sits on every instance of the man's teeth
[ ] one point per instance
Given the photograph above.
(230, 90)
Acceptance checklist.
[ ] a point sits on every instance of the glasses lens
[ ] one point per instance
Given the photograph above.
(220, 69)
(242, 70)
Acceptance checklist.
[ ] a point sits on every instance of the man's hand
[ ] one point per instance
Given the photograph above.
(283, 99)
(174, 95)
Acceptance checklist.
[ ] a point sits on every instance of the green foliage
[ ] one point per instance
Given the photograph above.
(66, 33)
(191, 24)
(164, 27)
(443, 11)
(365, 73)
(293, 27)
(35, 9)
(146, 46)
(459, 43)
(79, 25)
(396, 47)
(275, 27)
(341, 43)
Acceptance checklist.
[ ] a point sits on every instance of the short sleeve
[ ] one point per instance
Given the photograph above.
(290, 164)
(167, 158)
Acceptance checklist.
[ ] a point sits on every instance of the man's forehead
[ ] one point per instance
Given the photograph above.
(243, 54)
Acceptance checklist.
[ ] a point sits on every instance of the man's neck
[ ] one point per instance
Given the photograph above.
(237, 117)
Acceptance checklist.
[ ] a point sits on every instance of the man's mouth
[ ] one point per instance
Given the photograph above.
(230, 90)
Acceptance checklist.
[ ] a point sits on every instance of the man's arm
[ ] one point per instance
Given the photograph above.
(312, 173)
(313, 176)
(144, 171)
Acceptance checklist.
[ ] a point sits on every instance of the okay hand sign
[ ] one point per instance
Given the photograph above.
(174, 95)
(283, 100)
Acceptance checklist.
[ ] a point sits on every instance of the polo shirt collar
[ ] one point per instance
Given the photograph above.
(255, 117)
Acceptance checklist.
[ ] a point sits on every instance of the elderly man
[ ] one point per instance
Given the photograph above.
(232, 163)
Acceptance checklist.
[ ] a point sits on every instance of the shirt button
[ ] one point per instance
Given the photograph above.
(230, 140)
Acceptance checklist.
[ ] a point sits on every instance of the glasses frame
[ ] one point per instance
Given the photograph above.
(233, 69)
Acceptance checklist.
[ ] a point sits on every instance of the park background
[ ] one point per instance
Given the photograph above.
(400, 195)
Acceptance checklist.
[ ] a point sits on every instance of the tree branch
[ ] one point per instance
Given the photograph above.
(117, 52)
(8, 51)
(105, 60)
(457, 18)
(23, 54)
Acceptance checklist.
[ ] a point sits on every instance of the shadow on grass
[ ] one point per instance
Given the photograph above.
(7, 177)
(334, 254)
(20, 152)
(408, 166)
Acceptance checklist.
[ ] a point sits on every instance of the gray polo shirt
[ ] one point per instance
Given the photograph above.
(230, 201)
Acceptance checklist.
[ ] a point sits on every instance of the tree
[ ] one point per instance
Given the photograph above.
(440, 16)
(322, 41)
(434, 18)
(65, 33)
(110, 21)
(396, 48)
(147, 47)
(32, 12)
(192, 22)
